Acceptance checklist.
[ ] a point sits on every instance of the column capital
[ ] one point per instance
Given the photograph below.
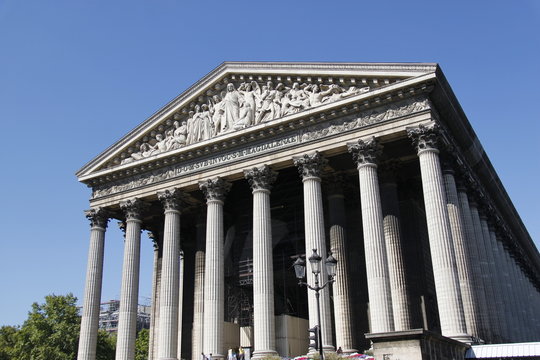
(122, 226)
(425, 137)
(98, 217)
(260, 178)
(171, 199)
(133, 208)
(215, 189)
(152, 235)
(365, 152)
(310, 165)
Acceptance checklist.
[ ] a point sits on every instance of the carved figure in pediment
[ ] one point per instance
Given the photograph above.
(231, 106)
(298, 96)
(205, 124)
(250, 94)
(217, 112)
(315, 95)
(160, 146)
(145, 150)
(246, 116)
(179, 135)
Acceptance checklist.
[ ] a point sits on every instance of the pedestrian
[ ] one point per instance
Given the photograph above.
(203, 357)
(240, 353)
(339, 351)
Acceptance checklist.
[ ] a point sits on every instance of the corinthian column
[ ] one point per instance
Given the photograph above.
(365, 154)
(394, 249)
(440, 237)
(310, 167)
(168, 304)
(338, 246)
(94, 276)
(198, 293)
(129, 294)
(485, 309)
(156, 280)
(465, 275)
(261, 179)
(214, 281)
(476, 271)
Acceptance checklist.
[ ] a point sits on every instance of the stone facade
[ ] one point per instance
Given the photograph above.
(392, 180)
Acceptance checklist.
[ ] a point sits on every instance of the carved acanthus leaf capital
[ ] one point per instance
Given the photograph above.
(122, 227)
(171, 199)
(310, 165)
(215, 189)
(425, 137)
(260, 178)
(133, 208)
(365, 151)
(98, 217)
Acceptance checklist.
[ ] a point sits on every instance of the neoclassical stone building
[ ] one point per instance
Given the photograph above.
(258, 163)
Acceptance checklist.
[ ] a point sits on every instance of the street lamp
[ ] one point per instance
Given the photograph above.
(300, 272)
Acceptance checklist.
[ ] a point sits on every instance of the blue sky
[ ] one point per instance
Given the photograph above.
(76, 75)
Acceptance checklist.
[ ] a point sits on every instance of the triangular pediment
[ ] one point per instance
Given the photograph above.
(240, 95)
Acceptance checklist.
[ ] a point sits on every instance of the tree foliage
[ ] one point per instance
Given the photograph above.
(141, 345)
(50, 332)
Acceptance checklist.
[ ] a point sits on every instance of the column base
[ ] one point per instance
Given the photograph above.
(259, 354)
(329, 348)
(417, 344)
(217, 356)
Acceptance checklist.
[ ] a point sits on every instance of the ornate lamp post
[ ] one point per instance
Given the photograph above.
(300, 271)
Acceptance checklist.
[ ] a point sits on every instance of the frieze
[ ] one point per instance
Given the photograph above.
(367, 118)
(310, 133)
(193, 166)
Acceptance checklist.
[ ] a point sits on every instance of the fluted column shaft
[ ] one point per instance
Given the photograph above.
(486, 309)
(214, 281)
(198, 295)
(465, 273)
(92, 292)
(155, 306)
(181, 275)
(338, 245)
(260, 180)
(519, 306)
(490, 279)
(509, 298)
(500, 280)
(378, 277)
(476, 271)
(440, 237)
(394, 248)
(129, 293)
(168, 305)
(310, 166)
(516, 306)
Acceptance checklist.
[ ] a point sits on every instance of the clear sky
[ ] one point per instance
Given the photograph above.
(75, 76)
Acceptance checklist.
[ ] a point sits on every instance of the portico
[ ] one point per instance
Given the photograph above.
(242, 168)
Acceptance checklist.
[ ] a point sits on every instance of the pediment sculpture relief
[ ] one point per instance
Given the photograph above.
(238, 108)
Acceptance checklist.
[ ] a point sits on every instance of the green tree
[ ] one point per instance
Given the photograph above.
(8, 341)
(51, 330)
(106, 346)
(141, 345)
